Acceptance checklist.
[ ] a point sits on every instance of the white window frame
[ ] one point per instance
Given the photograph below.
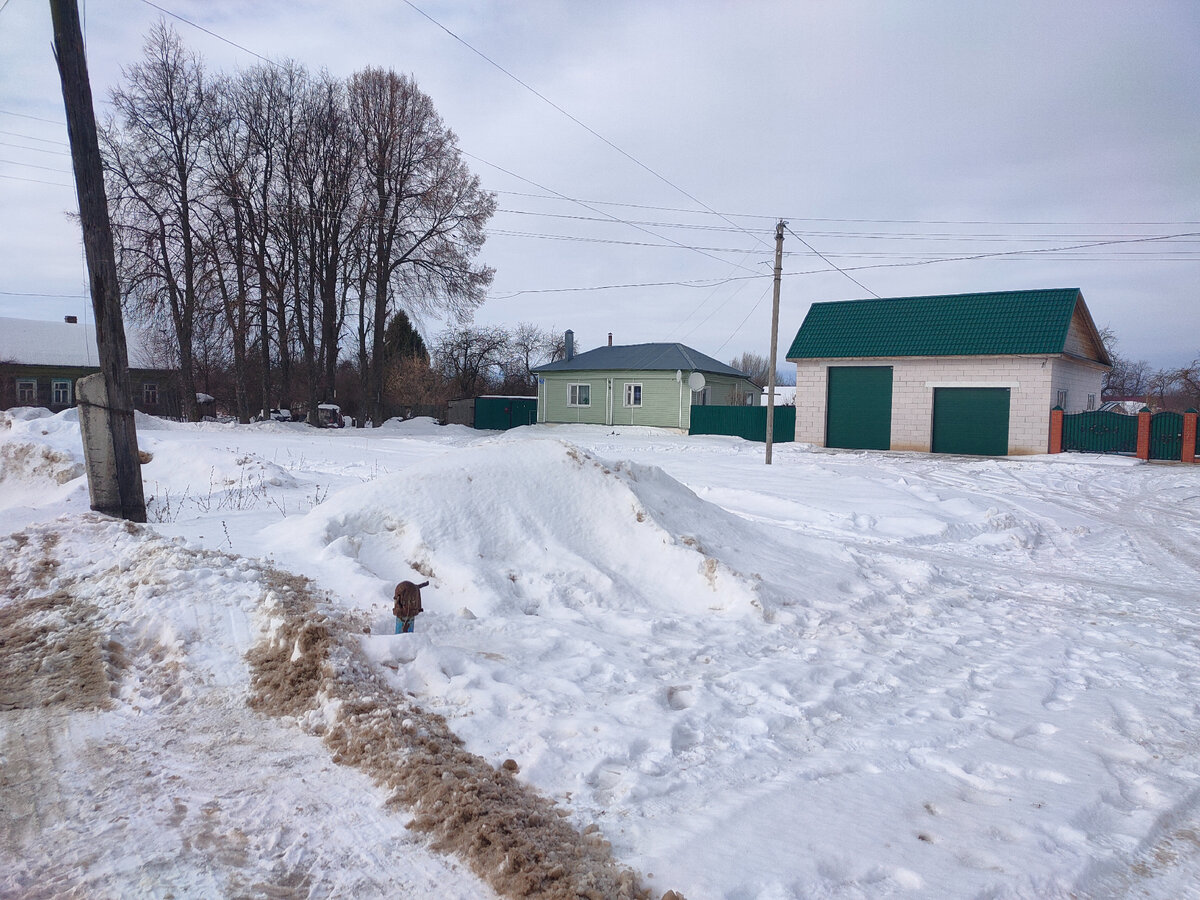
(1091, 402)
(573, 392)
(633, 393)
(150, 393)
(29, 385)
(60, 387)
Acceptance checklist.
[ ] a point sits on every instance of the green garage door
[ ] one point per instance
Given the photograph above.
(858, 411)
(971, 420)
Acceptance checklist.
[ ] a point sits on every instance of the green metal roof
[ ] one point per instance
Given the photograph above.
(999, 323)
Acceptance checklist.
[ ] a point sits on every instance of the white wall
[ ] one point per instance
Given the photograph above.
(1033, 382)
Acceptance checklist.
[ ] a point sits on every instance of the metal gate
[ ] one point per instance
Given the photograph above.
(971, 420)
(858, 407)
(1166, 435)
(1100, 432)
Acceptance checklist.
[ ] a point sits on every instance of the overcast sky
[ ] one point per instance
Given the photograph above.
(894, 137)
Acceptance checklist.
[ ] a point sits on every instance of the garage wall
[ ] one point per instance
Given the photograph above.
(1030, 380)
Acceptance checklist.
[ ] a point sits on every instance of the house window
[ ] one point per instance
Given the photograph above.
(150, 393)
(27, 392)
(1091, 401)
(1061, 402)
(633, 394)
(61, 392)
(702, 397)
(579, 395)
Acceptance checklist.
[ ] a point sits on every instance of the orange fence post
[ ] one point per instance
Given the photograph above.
(1189, 436)
(1056, 429)
(1143, 448)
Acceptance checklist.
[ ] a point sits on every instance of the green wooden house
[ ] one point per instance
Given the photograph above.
(41, 361)
(637, 384)
(961, 373)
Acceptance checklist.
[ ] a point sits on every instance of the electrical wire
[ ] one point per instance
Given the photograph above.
(581, 124)
(35, 149)
(9, 112)
(829, 261)
(211, 33)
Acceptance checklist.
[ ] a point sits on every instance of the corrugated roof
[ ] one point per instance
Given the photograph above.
(987, 324)
(37, 343)
(646, 357)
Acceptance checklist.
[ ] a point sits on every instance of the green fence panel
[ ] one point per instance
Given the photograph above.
(749, 422)
(1100, 432)
(1166, 435)
(503, 413)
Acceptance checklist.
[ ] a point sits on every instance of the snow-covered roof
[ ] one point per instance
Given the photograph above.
(38, 343)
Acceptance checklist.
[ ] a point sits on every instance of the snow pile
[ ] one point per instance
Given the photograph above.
(549, 531)
(844, 675)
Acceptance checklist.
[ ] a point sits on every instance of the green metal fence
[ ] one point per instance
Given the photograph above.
(749, 422)
(503, 413)
(1100, 432)
(1166, 435)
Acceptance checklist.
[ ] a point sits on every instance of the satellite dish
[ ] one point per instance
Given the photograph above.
(696, 381)
(678, 375)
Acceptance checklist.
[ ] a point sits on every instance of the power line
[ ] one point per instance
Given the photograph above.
(13, 162)
(828, 219)
(693, 283)
(211, 33)
(831, 262)
(30, 137)
(9, 112)
(744, 320)
(36, 181)
(709, 283)
(584, 205)
(581, 124)
(35, 149)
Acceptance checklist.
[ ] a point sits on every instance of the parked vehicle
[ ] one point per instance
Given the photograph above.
(329, 415)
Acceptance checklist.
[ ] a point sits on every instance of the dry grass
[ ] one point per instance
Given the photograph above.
(51, 650)
(511, 837)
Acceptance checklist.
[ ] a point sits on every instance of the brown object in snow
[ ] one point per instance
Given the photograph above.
(408, 599)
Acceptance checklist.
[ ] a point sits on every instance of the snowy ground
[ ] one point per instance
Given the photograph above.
(844, 675)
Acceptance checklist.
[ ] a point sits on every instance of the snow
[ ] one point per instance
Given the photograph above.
(849, 674)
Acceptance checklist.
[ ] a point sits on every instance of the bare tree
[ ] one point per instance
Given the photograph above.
(424, 207)
(472, 359)
(529, 346)
(756, 366)
(1126, 378)
(154, 152)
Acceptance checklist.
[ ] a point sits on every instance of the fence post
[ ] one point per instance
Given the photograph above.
(1189, 436)
(1056, 429)
(1143, 445)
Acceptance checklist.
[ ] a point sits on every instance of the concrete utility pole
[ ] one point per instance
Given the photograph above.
(774, 338)
(109, 436)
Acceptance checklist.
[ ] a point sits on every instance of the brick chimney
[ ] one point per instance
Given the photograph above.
(610, 339)
(569, 340)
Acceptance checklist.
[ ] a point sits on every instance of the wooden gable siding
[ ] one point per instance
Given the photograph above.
(1080, 340)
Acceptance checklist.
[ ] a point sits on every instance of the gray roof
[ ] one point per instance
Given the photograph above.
(645, 357)
(37, 343)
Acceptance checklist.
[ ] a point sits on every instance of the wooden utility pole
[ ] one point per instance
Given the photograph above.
(124, 498)
(774, 338)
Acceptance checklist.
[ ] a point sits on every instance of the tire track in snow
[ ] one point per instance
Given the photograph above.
(178, 787)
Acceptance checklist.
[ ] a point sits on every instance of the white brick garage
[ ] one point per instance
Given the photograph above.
(1068, 370)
